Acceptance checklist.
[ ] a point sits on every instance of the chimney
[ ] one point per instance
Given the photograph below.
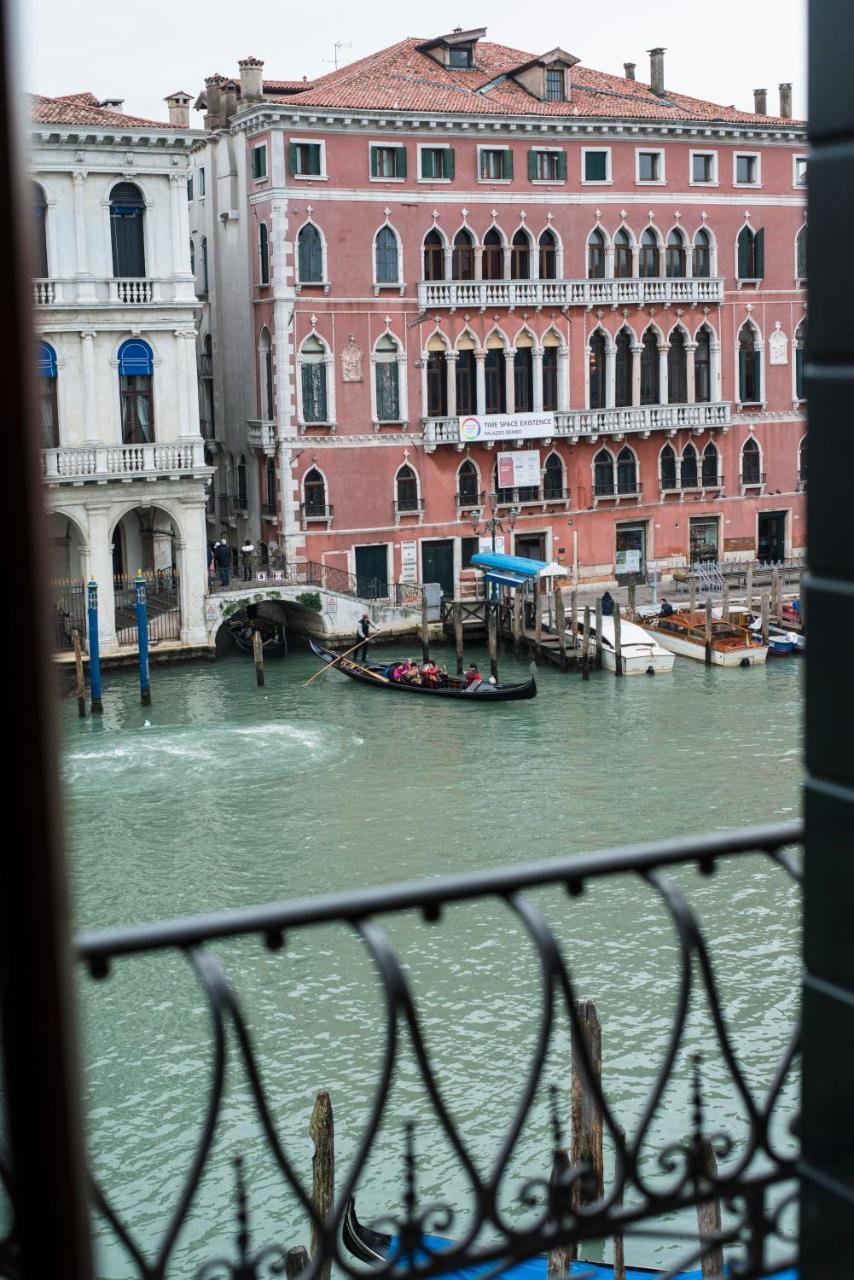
(760, 102)
(214, 117)
(251, 84)
(179, 109)
(786, 101)
(656, 71)
(229, 98)
(117, 104)
(630, 70)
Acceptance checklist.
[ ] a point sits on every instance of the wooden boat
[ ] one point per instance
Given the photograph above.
(273, 638)
(377, 676)
(641, 654)
(781, 643)
(685, 634)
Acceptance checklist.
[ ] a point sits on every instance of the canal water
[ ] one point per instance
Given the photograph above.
(224, 795)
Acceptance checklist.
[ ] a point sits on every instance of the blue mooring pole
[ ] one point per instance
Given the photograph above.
(94, 651)
(142, 637)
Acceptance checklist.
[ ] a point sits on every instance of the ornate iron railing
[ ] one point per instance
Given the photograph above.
(501, 1223)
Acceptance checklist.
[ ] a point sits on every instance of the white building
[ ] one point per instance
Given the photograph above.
(115, 316)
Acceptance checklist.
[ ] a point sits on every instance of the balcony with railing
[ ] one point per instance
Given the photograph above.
(752, 479)
(581, 423)
(317, 512)
(702, 484)
(624, 488)
(404, 507)
(98, 463)
(261, 435)
(631, 292)
(72, 291)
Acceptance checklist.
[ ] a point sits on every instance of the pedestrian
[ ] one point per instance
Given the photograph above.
(607, 605)
(363, 631)
(666, 608)
(248, 558)
(222, 556)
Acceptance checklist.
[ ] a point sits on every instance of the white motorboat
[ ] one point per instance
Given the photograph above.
(641, 654)
(685, 634)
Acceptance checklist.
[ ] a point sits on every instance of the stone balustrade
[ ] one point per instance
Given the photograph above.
(101, 463)
(633, 291)
(261, 436)
(92, 291)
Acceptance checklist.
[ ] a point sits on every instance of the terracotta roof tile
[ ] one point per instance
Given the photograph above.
(84, 109)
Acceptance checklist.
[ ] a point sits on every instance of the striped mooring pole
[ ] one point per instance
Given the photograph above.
(94, 651)
(142, 639)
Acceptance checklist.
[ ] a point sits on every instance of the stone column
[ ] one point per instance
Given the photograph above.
(480, 384)
(192, 565)
(537, 375)
(689, 260)
(510, 379)
(610, 376)
(81, 246)
(662, 372)
(609, 261)
(451, 375)
(715, 370)
(181, 394)
(101, 569)
(690, 348)
(448, 252)
(563, 380)
(478, 262)
(424, 405)
(637, 352)
(176, 180)
(90, 414)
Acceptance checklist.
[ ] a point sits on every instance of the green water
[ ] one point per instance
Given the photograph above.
(222, 795)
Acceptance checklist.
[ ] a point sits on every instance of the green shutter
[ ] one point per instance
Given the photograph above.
(759, 256)
(743, 252)
(292, 158)
(448, 168)
(375, 161)
(400, 162)
(314, 159)
(532, 165)
(427, 163)
(561, 166)
(507, 163)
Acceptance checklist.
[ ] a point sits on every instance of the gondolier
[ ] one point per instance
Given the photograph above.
(363, 632)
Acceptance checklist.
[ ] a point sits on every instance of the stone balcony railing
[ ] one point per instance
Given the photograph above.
(98, 464)
(102, 291)
(633, 291)
(261, 436)
(578, 423)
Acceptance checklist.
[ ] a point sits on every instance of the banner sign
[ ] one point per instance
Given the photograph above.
(506, 426)
(485, 544)
(628, 561)
(519, 470)
(408, 562)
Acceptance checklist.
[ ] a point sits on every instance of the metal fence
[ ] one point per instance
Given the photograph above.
(509, 1214)
(308, 573)
(68, 603)
(164, 606)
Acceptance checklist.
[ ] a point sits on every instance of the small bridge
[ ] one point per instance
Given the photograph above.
(313, 599)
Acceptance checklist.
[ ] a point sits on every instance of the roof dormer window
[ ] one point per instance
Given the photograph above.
(555, 84)
(547, 78)
(461, 57)
(454, 50)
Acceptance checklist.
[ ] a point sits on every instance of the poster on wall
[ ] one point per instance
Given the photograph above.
(485, 544)
(520, 470)
(628, 561)
(408, 562)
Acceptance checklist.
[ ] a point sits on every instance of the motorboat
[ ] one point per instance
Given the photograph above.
(684, 633)
(641, 654)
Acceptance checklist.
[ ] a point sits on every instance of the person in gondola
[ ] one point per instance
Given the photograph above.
(607, 605)
(363, 632)
(430, 673)
(472, 676)
(414, 676)
(401, 671)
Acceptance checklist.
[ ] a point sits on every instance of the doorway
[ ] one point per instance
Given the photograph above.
(372, 570)
(772, 537)
(437, 563)
(703, 539)
(630, 562)
(532, 546)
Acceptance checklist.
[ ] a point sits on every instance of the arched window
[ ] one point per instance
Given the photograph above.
(802, 464)
(677, 369)
(127, 211)
(315, 404)
(749, 379)
(703, 366)
(437, 385)
(264, 254)
(40, 217)
(466, 381)
(46, 368)
(627, 472)
(624, 365)
(650, 381)
(386, 257)
(549, 377)
(801, 254)
(675, 264)
(496, 383)
(553, 489)
(800, 339)
(523, 378)
(667, 463)
(751, 254)
(242, 492)
(314, 491)
(492, 262)
(597, 370)
(505, 497)
(520, 256)
(206, 399)
(462, 255)
(265, 360)
(622, 255)
(649, 262)
(136, 375)
(548, 255)
(270, 476)
(406, 487)
(387, 377)
(310, 255)
(702, 261)
(193, 257)
(434, 256)
(710, 466)
(467, 492)
(204, 249)
(603, 473)
(750, 463)
(689, 467)
(596, 255)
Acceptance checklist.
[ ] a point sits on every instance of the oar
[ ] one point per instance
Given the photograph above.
(343, 655)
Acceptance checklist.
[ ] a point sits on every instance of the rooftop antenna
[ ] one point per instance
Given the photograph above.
(339, 44)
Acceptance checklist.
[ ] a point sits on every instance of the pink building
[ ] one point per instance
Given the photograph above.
(454, 269)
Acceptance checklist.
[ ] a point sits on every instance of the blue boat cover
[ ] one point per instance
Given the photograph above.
(519, 565)
(505, 579)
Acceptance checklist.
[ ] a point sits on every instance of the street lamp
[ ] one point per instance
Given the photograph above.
(492, 523)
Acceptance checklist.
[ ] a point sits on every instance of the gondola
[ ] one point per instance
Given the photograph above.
(374, 1247)
(273, 637)
(374, 674)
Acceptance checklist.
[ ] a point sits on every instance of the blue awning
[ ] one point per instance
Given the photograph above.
(518, 565)
(505, 579)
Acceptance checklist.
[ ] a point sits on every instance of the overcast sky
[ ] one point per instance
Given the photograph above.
(721, 51)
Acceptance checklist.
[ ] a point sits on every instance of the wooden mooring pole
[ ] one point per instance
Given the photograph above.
(80, 679)
(425, 627)
(630, 609)
(618, 643)
(296, 1261)
(598, 654)
(458, 636)
(321, 1130)
(585, 1111)
(538, 617)
(777, 596)
(560, 623)
(692, 594)
(517, 622)
(619, 1248)
(749, 587)
(573, 618)
(725, 602)
(764, 617)
(258, 655)
(585, 645)
(709, 1215)
(708, 631)
(492, 635)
